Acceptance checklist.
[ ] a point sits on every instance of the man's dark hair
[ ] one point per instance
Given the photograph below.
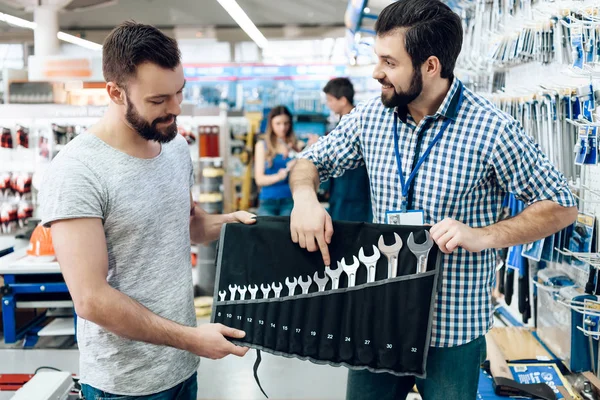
(340, 87)
(131, 44)
(432, 29)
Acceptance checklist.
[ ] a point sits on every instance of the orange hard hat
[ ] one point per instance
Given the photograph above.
(40, 244)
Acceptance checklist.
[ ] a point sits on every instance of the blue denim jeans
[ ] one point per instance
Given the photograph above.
(452, 374)
(187, 390)
(275, 207)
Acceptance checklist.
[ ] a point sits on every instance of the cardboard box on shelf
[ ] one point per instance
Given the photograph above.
(518, 344)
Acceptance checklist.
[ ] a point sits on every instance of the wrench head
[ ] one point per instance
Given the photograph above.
(419, 247)
(242, 289)
(392, 249)
(320, 281)
(302, 283)
(369, 260)
(277, 288)
(266, 288)
(289, 283)
(335, 273)
(222, 293)
(352, 268)
(253, 288)
(233, 288)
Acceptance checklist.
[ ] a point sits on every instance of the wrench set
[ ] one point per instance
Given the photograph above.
(372, 308)
(305, 282)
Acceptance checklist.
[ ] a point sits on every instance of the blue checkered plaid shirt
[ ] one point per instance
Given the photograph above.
(483, 155)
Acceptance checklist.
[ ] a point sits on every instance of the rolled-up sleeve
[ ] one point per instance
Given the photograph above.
(340, 150)
(522, 169)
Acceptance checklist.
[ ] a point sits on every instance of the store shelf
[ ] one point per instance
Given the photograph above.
(21, 263)
(45, 304)
(59, 327)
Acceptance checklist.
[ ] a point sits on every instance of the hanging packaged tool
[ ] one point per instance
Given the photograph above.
(373, 311)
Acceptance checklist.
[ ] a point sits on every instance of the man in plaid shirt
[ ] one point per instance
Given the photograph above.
(458, 157)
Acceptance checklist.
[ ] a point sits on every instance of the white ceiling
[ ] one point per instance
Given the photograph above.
(188, 13)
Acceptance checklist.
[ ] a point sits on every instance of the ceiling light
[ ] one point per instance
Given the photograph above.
(16, 21)
(240, 17)
(78, 41)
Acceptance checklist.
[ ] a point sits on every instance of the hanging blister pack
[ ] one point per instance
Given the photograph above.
(592, 156)
(577, 47)
(582, 148)
(373, 311)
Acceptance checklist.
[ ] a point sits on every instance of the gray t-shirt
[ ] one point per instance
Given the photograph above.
(145, 208)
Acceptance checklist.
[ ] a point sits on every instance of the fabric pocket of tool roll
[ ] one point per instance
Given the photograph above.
(284, 327)
(272, 329)
(298, 316)
(330, 328)
(311, 326)
(238, 316)
(362, 329)
(401, 326)
(260, 323)
(346, 339)
(248, 322)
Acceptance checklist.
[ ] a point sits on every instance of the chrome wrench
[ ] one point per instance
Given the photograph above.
(223, 295)
(421, 251)
(242, 290)
(391, 252)
(277, 289)
(335, 274)
(291, 285)
(350, 270)
(321, 282)
(253, 289)
(232, 291)
(265, 289)
(370, 262)
(305, 285)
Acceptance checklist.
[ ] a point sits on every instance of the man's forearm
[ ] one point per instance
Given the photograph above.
(536, 222)
(125, 317)
(205, 227)
(304, 178)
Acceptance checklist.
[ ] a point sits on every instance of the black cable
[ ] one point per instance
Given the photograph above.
(44, 367)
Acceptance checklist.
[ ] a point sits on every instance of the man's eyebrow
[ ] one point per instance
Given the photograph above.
(389, 58)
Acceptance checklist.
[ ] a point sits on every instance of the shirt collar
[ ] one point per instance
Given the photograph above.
(448, 108)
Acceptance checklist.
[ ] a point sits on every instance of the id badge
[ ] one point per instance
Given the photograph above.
(410, 217)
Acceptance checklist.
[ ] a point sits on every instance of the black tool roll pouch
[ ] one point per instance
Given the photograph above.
(383, 325)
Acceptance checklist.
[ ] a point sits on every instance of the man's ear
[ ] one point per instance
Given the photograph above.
(116, 93)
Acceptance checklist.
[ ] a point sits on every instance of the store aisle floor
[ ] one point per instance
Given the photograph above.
(229, 378)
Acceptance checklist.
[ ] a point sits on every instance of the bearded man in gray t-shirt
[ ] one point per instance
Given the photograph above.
(118, 201)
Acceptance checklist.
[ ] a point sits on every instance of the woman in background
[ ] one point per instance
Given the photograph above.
(273, 159)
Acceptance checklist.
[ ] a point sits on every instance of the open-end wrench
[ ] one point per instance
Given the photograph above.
(350, 270)
(321, 282)
(223, 295)
(277, 288)
(391, 252)
(335, 274)
(370, 262)
(291, 285)
(265, 289)
(253, 289)
(421, 251)
(233, 291)
(305, 285)
(242, 290)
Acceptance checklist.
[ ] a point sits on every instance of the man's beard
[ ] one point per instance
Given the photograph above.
(150, 131)
(403, 99)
